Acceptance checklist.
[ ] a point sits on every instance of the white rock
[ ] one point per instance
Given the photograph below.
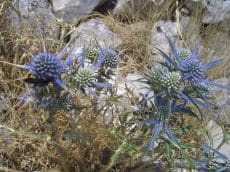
(137, 88)
(125, 88)
(71, 10)
(34, 14)
(216, 10)
(93, 31)
(216, 133)
(158, 38)
(27, 6)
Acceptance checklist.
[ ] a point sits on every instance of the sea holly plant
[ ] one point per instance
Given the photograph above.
(54, 79)
(46, 68)
(179, 84)
(85, 73)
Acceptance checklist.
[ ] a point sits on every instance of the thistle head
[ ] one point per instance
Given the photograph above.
(155, 75)
(161, 113)
(47, 66)
(82, 77)
(193, 69)
(184, 53)
(172, 80)
(109, 57)
(156, 72)
(202, 88)
(91, 53)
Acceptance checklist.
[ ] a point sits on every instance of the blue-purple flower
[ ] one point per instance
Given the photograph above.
(110, 57)
(84, 75)
(46, 66)
(191, 67)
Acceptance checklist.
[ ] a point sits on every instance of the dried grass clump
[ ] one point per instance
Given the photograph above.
(81, 141)
(134, 26)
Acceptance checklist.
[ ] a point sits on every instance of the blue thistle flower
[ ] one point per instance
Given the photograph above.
(191, 68)
(48, 67)
(110, 57)
(90, 53)
(184, 53)
(84, 76)
(160, 79)
(172, 80)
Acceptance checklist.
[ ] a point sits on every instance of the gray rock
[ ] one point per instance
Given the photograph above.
(34, 15)
(27, 6)
(216, 10)
(72, 10)
(137, 89)
(126, 88)
(95, 31)
(217, 135)
(158, 38)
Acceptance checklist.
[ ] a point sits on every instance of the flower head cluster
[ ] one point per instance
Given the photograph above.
(48, 67)
(191, 67)
(172, 80)
(85, 74)
(184, 53)
(110, 57)
(177, 83)
(82, 77)
(90, 53)
(161, 79)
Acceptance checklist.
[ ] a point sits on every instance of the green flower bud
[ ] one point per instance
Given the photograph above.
(184, 53)
(172, 80)
(91, 53)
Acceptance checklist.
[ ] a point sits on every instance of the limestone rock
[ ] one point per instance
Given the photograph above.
(95, 31)
(34, 15)
(159, 32)
(216, 11)
(72, 10)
